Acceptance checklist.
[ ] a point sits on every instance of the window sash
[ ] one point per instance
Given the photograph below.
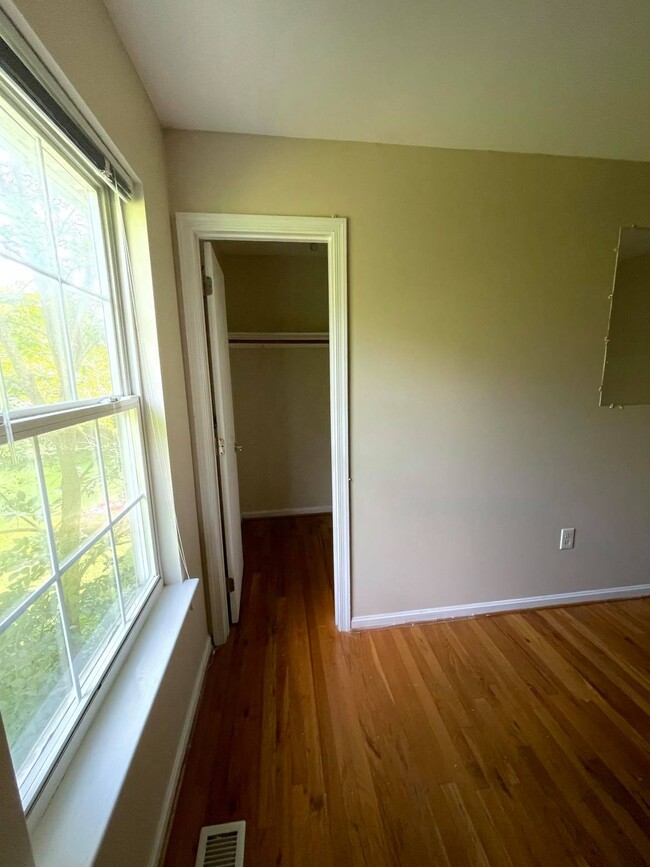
(104, 220)
(28, 423)
(85, 676)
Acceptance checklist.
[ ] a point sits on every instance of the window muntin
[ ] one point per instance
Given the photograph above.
(77, 556)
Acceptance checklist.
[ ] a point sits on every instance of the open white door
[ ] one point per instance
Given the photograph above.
(224, 427)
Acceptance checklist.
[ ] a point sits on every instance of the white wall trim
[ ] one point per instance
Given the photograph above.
(282, 513)
(179, 760)
(449, 612)
(191, 229)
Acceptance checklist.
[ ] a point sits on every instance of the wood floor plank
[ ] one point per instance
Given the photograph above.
(566, 760)
(516, 739)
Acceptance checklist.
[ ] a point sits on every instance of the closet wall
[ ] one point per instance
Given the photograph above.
(280, 393)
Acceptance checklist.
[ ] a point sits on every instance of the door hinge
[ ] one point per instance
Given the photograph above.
(221, 445)
(230, 585)
(207, 285)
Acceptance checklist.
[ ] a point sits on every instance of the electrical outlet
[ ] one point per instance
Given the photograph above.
(567, 538)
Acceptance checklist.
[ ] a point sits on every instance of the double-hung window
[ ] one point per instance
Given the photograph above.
(77, 553)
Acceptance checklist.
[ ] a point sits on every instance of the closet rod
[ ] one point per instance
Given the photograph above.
(278, 338)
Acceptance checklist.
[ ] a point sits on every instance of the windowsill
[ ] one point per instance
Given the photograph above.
(73, 825)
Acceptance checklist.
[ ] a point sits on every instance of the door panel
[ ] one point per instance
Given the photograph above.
(225, 426)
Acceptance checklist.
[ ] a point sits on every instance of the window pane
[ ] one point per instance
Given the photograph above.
(74, 486)
(122, 452)
(34, 676)
(90, 592)
(32, 338)
(133, 547)
(24, 229)
(24, 556)
(72, 202)
(89, 343)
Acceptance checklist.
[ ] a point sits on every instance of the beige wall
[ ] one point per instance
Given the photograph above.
(479, 288)
(627, 374)
(276, 293)
(281, 401)
(79, 36)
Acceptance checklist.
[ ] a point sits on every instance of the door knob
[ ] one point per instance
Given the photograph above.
(238, 448)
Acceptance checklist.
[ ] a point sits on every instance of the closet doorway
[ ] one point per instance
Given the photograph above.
(265, 315)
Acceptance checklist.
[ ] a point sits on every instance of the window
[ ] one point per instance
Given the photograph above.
(77, 554)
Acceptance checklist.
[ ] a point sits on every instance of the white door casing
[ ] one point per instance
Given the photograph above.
(225, 424)
(192, 229)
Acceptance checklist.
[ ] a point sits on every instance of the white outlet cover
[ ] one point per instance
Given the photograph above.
(567, 538)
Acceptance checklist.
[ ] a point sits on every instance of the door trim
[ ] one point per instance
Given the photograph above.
(192, 229)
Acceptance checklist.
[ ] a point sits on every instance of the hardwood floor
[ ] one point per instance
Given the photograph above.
(515, 739)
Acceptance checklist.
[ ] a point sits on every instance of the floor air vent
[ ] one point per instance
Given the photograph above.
(222, 845)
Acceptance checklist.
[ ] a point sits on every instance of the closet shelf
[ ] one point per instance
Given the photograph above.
(278, 338)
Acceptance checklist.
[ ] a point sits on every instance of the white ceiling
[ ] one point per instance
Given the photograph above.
(543, 76)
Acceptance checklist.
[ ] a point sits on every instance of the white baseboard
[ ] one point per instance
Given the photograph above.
(282, 513)
(179, 759)
(449, 612)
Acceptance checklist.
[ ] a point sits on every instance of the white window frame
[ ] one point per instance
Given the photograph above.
(75, 718)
